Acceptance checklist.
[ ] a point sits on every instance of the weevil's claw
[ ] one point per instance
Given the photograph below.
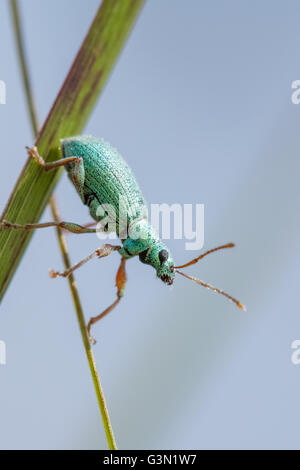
(88, 329)
(53, 274)
(33, 152)
(4, 224)
(92, 339)
(106, 250)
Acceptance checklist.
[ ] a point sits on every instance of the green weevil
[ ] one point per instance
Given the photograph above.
(102, 177)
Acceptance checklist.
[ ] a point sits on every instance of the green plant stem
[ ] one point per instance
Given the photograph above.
(61, 239)
(15, 13)
(68, 115)
(87, 345)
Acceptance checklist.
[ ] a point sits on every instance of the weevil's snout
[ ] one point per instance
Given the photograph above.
(166, 271)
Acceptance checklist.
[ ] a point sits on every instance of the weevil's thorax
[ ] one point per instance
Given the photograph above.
(143, 241)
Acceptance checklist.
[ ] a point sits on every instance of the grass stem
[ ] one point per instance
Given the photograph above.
(61, 239)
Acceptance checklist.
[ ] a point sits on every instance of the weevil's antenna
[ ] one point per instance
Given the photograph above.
(228, 245)
(215, 289)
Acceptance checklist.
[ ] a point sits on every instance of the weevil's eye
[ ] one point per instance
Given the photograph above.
(163, 256)
(143, 255)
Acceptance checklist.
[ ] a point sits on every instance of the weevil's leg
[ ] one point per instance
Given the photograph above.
(90, 224)
(105, 250)
(121, 284)
(71, 227)
(33, 152)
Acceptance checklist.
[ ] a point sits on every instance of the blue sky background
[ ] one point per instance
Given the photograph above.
(199, 104)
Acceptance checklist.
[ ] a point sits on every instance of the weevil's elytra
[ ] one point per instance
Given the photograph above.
(102, 177)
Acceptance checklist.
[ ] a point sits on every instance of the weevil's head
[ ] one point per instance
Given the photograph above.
(159, 256)
(150, 250)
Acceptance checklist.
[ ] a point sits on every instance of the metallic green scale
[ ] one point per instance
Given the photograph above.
(103, 177)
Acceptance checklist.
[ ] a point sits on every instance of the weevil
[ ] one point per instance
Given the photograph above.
(102, 177)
